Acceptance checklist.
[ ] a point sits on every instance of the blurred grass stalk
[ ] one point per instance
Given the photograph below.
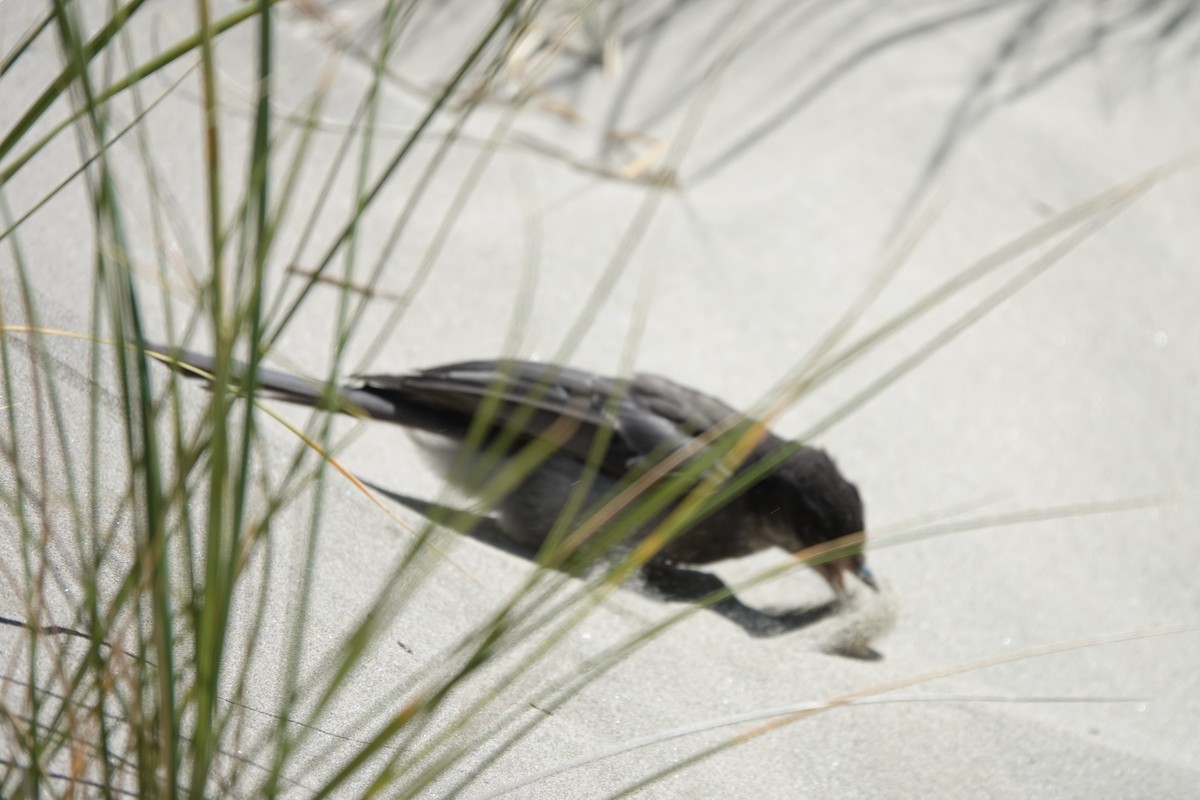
(168, 596)
(152, 707)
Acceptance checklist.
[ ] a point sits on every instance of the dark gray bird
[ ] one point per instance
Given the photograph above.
(801, 502)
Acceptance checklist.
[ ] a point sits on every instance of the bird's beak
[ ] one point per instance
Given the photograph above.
(834, 573)
(866, 576)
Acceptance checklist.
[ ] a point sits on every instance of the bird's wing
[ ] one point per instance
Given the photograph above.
(537, 399)
(550, 391)
(660, 415)
(648, 415)
(689, 410)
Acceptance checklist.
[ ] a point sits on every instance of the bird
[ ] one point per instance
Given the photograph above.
(603, 432)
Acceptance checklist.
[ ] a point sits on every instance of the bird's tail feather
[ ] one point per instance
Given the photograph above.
(279, 385)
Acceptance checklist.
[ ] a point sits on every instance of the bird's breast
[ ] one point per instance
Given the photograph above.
(729, 533)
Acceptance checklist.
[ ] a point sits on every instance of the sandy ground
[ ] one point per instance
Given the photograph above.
(834, 130)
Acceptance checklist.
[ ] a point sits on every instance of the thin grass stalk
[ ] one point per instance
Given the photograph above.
(39, 108)
(240, 533)
(365, 200)
(324, 194)
(558, 693)
(12, 225)
(248, 314)
(475, 655)
(284, 743)
(134, 387)
(573, 509)
(25, 42)
(45, 401)
(987, 265)
(393, 25)
(460, 198)
(284, 497)
(96, 661)
(574, 506)
(497, 631)
(382, 610)
(573, 610)
(79, 55)
(69, 42)
(901, 683)
(634, 236)
(977, 312)
(100, 666)
(25, 735)
(292, 174)
(796, 708)
(180, 554)
(729, 491)
(213, 614)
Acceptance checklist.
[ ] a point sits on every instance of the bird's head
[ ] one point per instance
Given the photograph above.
(810, 503)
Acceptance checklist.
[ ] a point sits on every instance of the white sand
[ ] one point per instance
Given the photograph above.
(813, 148)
